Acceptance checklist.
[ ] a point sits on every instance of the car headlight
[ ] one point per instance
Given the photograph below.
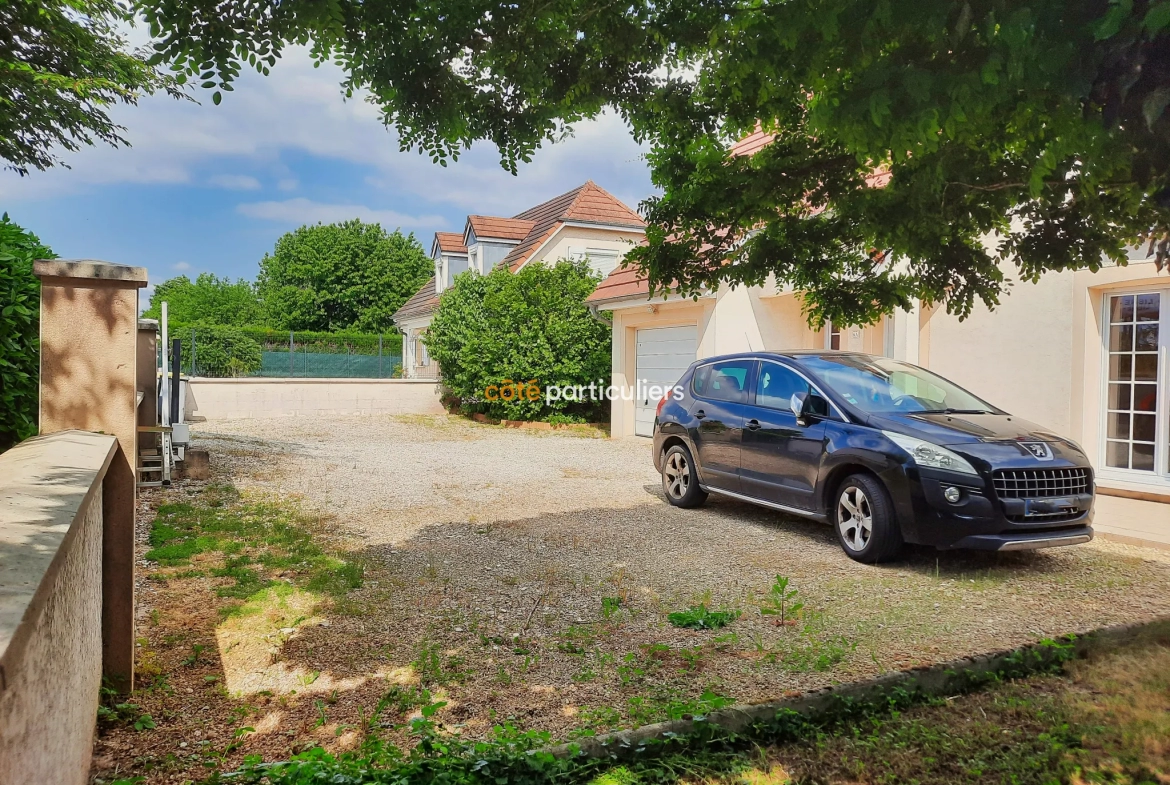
(927, 454)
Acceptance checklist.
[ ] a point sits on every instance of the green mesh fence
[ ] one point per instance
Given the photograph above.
(228, 352)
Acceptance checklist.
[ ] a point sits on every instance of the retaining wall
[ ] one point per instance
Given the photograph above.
(51, 521)
(218, 399)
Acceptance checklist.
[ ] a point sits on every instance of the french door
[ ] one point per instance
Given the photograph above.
(1137, 441)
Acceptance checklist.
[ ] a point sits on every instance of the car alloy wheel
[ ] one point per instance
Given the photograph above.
(854, 518)
(678, 475)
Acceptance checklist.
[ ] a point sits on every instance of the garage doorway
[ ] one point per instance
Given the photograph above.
(663, 355)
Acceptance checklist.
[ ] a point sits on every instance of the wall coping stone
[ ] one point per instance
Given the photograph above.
(46, 483)
(89, 268)
(301, 380)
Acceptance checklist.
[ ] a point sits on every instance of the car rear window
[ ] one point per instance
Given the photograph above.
(725, 381)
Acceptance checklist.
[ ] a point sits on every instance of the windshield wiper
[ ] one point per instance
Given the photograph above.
(953, 411)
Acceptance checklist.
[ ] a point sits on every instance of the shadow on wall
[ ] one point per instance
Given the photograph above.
(78, 389)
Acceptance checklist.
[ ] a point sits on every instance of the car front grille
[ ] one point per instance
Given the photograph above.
(1040, 483)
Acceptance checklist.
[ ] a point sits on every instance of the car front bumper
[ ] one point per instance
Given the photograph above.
(980, 520)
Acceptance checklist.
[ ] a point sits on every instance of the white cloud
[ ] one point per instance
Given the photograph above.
(235, 182)
(288, 184)
(181, 266)
(300, 109)
(305, 211)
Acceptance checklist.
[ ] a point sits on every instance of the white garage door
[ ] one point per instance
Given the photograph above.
(664, 353)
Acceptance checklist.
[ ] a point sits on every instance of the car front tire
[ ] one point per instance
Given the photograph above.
(863, 518)
(680, 479)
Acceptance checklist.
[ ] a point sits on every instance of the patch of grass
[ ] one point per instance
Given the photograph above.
(699, 617)
(255, 538)
(1099, 721)
(661, 707)
(247, 580)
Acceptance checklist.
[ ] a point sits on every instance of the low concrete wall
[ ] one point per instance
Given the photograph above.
(51, 503)
(217, 399)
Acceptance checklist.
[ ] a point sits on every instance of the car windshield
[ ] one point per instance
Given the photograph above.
(877, 385)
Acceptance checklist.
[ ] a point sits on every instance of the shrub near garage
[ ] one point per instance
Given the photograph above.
(532, 325)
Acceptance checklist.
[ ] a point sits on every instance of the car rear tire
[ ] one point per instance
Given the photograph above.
(680, 481)
(863, 518)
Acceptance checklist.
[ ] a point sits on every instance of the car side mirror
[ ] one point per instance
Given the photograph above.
(797, 403)
(805, 405)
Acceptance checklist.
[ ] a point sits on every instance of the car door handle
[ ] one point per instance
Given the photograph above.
(752, 425)
(700, 414)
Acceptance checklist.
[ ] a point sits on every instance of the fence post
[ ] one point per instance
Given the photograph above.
(193, 352)
(291, 355)
(379, 355)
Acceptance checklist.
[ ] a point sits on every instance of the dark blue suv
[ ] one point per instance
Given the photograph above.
(886, 452)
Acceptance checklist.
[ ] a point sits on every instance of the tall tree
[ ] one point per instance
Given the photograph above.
(207, 300)
(1042, 121)
(63, 63)
(350, 275)
(20, 308)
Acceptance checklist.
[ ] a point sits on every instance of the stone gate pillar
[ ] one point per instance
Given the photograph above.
(89, 325)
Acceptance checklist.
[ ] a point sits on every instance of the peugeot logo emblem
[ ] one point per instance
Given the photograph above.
(1039, 450)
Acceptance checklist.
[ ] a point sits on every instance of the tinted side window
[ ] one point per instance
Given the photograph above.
(725, 381)
(777, 385)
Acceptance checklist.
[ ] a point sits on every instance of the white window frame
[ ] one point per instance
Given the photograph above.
(1160, 476)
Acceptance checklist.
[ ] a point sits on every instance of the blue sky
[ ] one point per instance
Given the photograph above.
(207, 188)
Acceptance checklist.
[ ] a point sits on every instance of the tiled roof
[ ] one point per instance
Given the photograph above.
(625, 281)
(752, 143)
(450, 242)
(422, 303)
(588, 203)
(490, 227)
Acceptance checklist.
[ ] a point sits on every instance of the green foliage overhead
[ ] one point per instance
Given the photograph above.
(1006, 128)
(207, 299)
(20, 308)
(222, 351)
(63, 63)
(523, 326)
(1040, 123)
(344, 276)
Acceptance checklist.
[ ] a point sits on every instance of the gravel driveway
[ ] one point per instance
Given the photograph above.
(538, 569)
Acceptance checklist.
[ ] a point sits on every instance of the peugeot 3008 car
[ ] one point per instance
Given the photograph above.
(886, 452)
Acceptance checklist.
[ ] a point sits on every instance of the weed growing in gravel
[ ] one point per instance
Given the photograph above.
(111, 711)
(435, 668)
(610, 606)
(781, 601)
(698, 617)
(254, 539)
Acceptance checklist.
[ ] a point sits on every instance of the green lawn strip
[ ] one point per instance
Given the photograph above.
(255, 539)
(1039, 719)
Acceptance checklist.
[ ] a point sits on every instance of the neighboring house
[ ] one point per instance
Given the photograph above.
(1084, 354)
(585, 223)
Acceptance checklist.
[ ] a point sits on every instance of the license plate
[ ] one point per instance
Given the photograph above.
(1050, 506)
